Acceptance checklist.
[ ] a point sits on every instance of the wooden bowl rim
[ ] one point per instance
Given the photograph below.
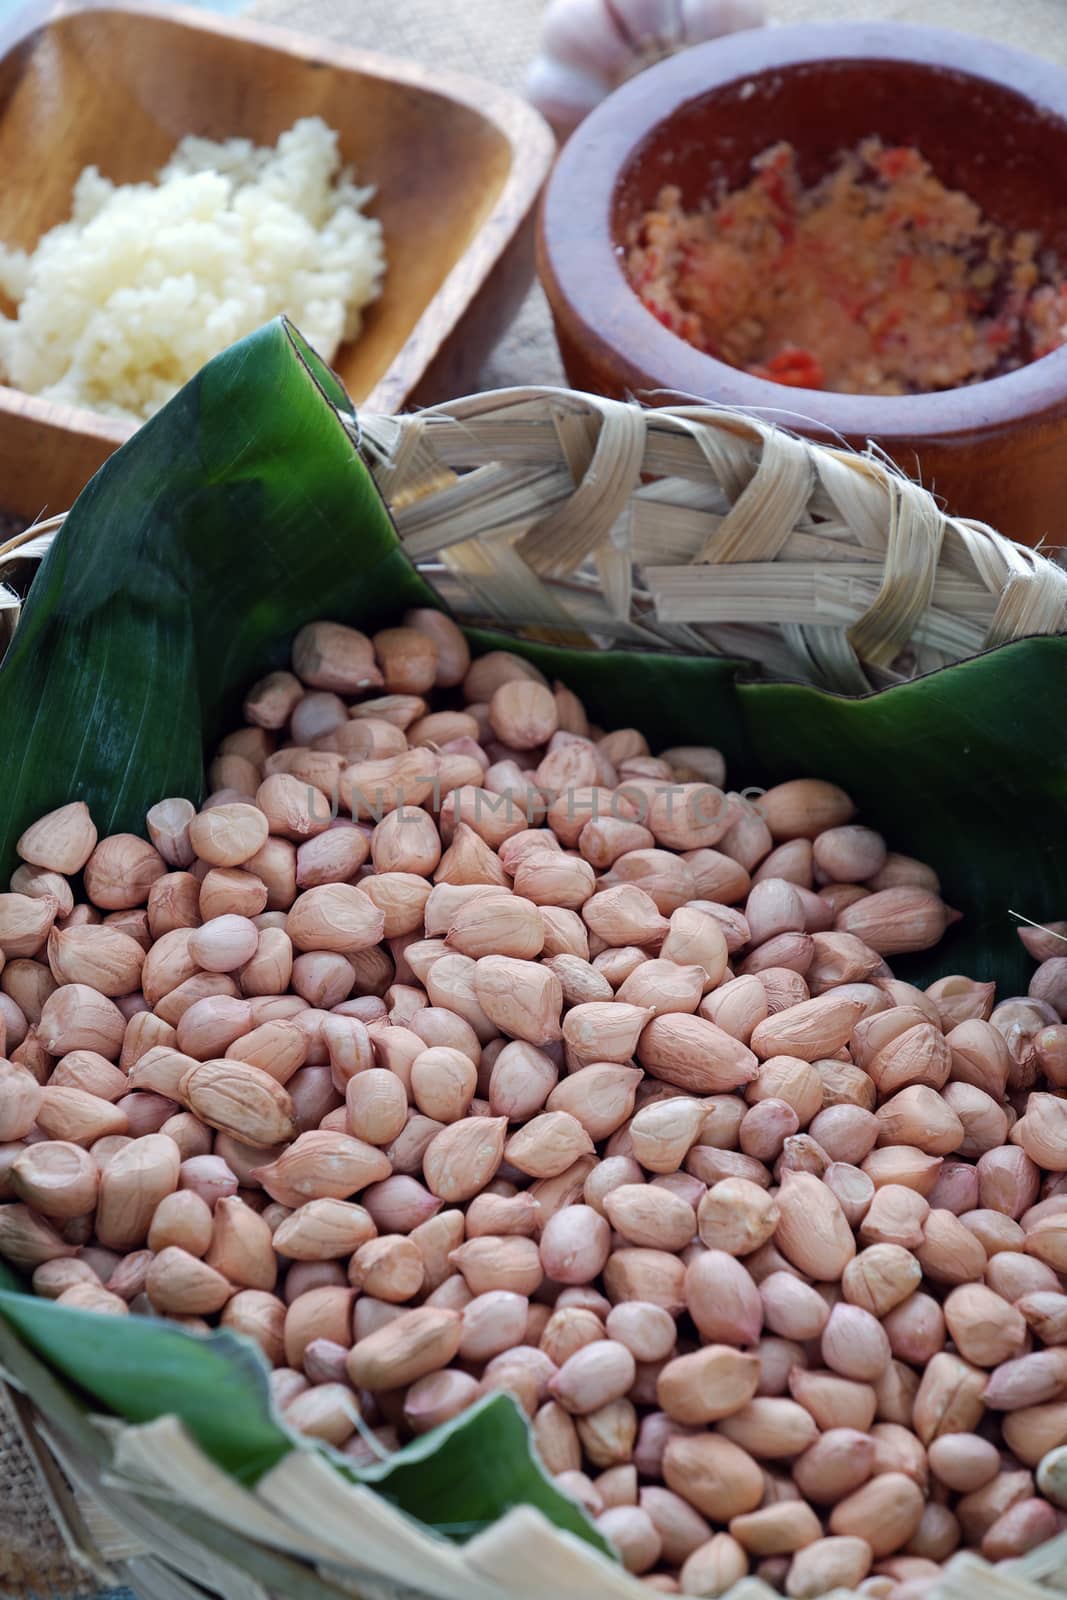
(599, 312)
(530, 140)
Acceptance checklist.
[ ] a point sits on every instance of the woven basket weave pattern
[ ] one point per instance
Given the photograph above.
(587, 521)
(699, 530)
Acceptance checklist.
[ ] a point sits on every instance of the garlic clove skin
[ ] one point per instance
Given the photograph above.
(589, 47)
(651, 23)
(584, 34)
(562, 93)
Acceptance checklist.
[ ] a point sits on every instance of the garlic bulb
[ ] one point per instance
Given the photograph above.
(589, 47)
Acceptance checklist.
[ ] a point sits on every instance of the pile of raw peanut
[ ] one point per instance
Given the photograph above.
(449, 1051)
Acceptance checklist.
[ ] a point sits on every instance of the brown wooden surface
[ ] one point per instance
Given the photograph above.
(992, 121)
(457, 164)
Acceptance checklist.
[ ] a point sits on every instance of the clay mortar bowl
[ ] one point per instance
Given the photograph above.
(991, 120)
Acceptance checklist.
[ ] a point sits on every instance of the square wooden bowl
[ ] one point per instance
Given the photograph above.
(457, 164)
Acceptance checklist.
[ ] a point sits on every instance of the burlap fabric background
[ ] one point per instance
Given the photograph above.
(493, 39)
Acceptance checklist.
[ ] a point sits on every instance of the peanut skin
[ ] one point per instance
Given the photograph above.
(540, 1065)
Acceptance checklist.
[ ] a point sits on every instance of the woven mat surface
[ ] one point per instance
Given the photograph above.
(33, 1556)
(496, 38)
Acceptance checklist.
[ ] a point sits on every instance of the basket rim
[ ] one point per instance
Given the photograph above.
(694, 530)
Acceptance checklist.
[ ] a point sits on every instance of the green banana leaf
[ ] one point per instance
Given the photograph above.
(229, 520)
(962, 768)
(244, 510)
(456, 1480)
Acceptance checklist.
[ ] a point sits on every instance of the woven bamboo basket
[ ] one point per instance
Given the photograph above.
(565, 517)
(581, 520)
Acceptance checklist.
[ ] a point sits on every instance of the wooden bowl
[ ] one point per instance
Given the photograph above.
(457, 163)
(992, 121)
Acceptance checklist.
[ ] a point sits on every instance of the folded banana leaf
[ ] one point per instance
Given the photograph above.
(244, 510)
(456, 1480)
